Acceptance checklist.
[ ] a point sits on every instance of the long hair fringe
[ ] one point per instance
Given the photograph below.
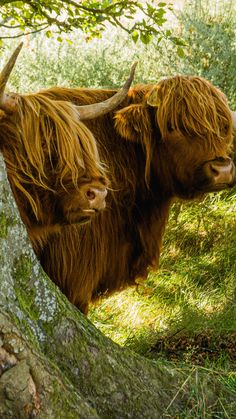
(193, 106)
(46, 134)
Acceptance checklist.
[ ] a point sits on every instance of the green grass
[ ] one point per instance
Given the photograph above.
(185, 313)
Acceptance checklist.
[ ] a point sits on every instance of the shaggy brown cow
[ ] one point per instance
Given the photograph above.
(168, 140)
(51, 158)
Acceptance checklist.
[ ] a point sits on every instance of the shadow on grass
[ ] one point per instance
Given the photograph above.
(194, 292)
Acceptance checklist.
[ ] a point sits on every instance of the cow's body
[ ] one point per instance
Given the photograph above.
(148, 165)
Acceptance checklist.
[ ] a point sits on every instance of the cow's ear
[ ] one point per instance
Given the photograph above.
(133, 122)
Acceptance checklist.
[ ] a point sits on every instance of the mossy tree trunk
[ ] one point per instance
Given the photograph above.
(55, 364)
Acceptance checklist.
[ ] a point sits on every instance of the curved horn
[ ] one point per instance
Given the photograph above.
(5, 102)
(99, 109)
(233, 114)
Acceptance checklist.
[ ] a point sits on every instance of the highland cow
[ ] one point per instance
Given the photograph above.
(51, 158)
(167, 140)
(163, 141)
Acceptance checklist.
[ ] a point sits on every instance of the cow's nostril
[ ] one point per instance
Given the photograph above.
(90, 195)
(220, 172)
(214, 170)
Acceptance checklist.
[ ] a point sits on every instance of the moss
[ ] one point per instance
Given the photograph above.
(24, 288)
(32, 386)
(3, 226)
(22, 268)
(5, 223)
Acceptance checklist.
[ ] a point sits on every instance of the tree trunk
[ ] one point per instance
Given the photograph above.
(55, 364)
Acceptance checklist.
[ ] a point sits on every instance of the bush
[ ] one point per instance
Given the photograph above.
(210, 35)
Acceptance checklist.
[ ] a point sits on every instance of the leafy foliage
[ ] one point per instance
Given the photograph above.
(140, 19)
(210, 34)
(93, 64)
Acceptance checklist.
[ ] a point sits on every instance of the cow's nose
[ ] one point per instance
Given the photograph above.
(96, 198)
(221, 171)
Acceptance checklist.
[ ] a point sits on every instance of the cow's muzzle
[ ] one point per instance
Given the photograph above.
(95, 197)
(219, 173)
(80, 206)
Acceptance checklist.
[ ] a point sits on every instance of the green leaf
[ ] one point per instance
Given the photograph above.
(150, 9)
(159, 13)
(48, 34)
(180, 52)
(145, 38)
(178, 41)
(59, 38)
(135, 36)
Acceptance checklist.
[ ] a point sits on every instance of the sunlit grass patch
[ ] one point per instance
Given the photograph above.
(195, 288)
(185, 313)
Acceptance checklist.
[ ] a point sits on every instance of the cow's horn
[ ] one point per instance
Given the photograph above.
(5, 102)
(101, 108)
(233, 114)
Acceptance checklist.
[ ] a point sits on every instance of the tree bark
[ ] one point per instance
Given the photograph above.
(55, 364)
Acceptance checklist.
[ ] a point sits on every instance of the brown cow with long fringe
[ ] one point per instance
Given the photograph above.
(52, 158)
(167, 140)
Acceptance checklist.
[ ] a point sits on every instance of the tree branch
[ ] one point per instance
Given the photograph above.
(23, 34)
(40, 15)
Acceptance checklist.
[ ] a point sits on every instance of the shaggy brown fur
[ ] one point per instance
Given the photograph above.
(164, 142)
(157, 148)
(50, 156)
